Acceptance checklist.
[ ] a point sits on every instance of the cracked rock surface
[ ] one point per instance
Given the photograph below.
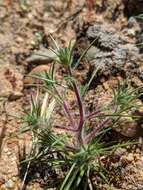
(114, 53)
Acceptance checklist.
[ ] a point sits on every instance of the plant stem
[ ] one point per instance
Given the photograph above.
(27, 169)
(64, 128)
(118, 115)
(72, 122)
(88, 178)
(25, 176)
(92, 114)
(81, 109)
(66, 108)
(84, 53)
(95, 131)
(68, 176)
(91, 79)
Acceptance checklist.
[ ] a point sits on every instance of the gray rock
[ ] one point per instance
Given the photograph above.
(106, 39)
(41, 56)
(113, 53)
(92, 53)
(9, 184)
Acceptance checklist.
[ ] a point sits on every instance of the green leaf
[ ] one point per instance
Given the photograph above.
(83, 89)
(84, 53)
(68, 176)
(71, 180)
(80, 175)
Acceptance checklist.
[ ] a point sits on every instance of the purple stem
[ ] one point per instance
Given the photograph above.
(81, 109)
(72, 122)
(91, 115)
(64, 128)
(95, 131)
(66, 108)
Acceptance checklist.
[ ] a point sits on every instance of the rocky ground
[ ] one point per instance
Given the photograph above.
(25, 29)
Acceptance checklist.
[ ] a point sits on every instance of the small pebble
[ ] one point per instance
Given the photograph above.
(14, 178)
(9, 184)
(130, 157)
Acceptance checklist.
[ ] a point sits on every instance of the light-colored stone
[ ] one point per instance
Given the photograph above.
(130, 157)
(41, 56)
(29, 79)
(9, 184)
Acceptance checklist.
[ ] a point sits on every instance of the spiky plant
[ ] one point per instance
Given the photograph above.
(125, 97)
(80, 156)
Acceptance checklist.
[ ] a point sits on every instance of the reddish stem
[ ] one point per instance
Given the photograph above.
(72, 122)
(66, 108)
(64, 128)
(93, 114)
(81, 109)
(95, 131)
